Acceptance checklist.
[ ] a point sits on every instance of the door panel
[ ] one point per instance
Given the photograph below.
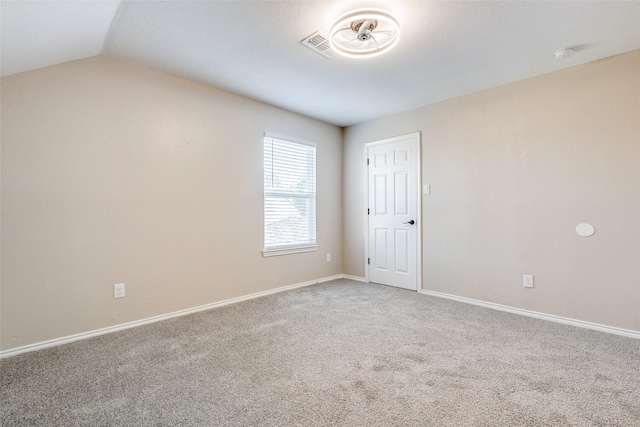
(393, 202)
(400, 193)
(402, 251)
(380, 194)
(381, 249)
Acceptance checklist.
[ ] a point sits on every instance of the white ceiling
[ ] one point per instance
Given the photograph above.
(446, 48)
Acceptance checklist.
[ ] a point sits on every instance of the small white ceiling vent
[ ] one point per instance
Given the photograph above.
(319, 43)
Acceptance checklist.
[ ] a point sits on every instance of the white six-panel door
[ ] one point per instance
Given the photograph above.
(393, 193)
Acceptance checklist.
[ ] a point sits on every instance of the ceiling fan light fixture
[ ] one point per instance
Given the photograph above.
(364, 33)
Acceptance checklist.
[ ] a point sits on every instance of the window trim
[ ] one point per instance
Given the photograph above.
(292, 249)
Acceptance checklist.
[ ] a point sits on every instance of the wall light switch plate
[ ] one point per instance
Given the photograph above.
(426, 189)
(527, 280)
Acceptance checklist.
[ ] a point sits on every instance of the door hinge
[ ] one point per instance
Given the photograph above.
(367, 211)
(368, 260)
(367, 161)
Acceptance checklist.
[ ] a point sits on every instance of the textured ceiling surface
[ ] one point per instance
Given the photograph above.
(37, 34)
(252, 48)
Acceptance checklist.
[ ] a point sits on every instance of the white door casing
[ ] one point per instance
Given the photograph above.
(393, 243)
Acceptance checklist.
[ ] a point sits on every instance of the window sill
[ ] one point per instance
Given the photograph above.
(291, 250)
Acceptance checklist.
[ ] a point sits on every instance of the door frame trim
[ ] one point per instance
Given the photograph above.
(417, 140)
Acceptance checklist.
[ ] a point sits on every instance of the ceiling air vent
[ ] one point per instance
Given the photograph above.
(319, 42)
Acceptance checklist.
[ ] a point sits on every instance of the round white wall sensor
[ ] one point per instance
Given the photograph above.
(564, 53)
(585, 230)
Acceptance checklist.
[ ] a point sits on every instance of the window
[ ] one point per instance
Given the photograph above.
(289, 197)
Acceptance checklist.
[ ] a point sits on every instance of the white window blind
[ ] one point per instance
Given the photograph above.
(289, 197)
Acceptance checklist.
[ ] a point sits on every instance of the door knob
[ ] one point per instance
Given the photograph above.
(410, 222)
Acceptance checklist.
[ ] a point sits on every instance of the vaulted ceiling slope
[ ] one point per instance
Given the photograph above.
(446, 48)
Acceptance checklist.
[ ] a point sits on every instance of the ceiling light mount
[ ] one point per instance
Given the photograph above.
(364, 33)
(363, 28)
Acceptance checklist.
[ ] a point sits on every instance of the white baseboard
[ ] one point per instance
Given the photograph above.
(330, 278)
(356, 278)
(123, 326)
(558, 319)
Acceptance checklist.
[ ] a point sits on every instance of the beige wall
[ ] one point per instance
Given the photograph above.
(116, 173)
(113, 173)
(513, 170)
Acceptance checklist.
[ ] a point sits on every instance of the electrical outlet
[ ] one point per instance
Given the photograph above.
(328, 257)
(118, 290)
(527, 280)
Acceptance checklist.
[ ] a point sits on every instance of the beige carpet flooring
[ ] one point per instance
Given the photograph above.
(337, 354)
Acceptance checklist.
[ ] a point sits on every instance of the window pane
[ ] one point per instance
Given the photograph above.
(289, 188)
